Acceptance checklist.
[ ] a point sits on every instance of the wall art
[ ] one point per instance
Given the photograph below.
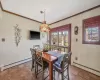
(17, 34)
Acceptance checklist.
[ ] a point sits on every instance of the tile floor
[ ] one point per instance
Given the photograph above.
(23, 72)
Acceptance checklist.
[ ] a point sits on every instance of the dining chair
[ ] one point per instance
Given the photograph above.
(36, 46)
(63, 66)
(40, 63)
(33, 52)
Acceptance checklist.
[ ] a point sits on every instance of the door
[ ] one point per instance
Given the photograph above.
(61, 36)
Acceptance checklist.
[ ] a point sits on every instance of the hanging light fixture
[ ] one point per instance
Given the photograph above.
(44, 27)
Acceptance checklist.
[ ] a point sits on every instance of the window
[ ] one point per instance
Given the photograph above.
(61, 36)
(91, 30)
(54, 38)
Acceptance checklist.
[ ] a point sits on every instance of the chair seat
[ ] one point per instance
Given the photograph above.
(57, 66)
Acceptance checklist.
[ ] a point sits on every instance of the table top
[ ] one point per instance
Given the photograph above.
(48, 57)
(52, 56)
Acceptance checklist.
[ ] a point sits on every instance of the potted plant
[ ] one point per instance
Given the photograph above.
(46, 48)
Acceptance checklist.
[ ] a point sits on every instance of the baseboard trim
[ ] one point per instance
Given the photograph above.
(16, 63)
(86, 67)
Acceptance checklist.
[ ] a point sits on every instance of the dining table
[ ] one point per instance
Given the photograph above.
(51, 57)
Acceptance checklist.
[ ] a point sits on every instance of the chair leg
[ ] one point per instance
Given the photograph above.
(58, 74)
(36, 70)
(68, 73)
(42, 73)
(62, 75)
(54, 74)
(32, 65)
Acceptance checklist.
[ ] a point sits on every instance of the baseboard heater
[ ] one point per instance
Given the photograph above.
(15, 63)
(86, 67)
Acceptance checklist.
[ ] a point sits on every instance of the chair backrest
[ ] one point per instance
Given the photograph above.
(33, 52)
(66, 60)
(69, 55)
(36, 46)
(39, 58)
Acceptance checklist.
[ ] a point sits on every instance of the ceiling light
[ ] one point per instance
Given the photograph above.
(44, 27)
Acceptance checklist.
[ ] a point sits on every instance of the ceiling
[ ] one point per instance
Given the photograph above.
(55, 9)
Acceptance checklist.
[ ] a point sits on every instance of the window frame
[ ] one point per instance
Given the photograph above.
(90, 23)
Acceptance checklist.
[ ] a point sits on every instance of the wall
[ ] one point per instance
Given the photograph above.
(9, 53)
(88, 55)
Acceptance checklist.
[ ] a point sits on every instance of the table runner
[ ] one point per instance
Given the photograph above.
(57, 54)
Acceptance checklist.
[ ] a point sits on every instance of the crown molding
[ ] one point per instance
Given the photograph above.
(1, 6)
(76, 14)
(17, 14)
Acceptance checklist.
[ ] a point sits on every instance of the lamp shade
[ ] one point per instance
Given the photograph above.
(44, 27)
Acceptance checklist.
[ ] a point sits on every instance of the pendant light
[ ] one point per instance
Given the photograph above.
(44, 27)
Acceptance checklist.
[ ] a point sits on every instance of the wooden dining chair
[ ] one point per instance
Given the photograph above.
(40, 63)
(33, 52)
(63, 66)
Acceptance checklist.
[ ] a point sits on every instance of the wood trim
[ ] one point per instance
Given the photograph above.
(70, 37)
(17, 14)
(61, 28)
(1, 6)
(76, 14)
(86, 67)
(70, 41)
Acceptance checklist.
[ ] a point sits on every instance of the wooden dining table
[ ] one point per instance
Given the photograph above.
(50, 60)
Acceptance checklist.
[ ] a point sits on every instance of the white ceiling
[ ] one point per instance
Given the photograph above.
(55, 9)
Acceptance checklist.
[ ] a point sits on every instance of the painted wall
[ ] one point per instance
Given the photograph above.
(9, 53)
(88, 55)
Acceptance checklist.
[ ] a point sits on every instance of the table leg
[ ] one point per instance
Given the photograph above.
(50, 71)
